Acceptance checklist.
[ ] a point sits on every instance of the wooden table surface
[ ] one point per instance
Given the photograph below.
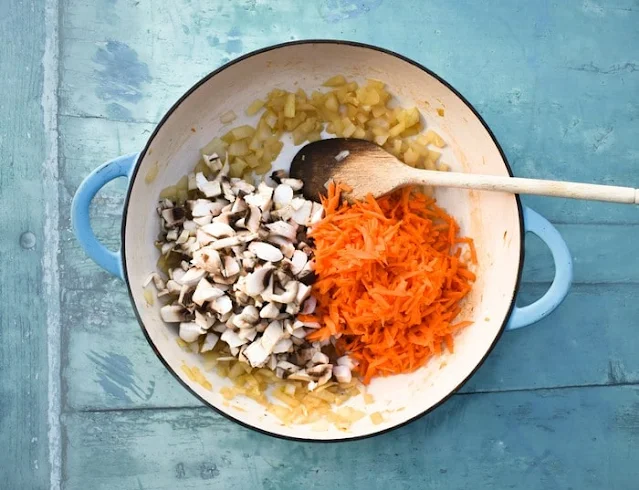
(84, 403)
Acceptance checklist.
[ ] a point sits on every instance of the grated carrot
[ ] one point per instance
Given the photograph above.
(389, 280)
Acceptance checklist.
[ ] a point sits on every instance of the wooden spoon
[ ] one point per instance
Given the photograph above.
(368, 168)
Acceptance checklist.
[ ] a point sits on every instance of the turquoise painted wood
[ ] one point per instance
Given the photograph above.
(555, 406)
(534, 440)
(24, 461)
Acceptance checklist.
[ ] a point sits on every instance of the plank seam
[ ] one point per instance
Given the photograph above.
(51, 234)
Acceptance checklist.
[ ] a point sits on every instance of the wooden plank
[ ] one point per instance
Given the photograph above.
(590, 340)
(580, 439)
(541, 97)
(24, 462)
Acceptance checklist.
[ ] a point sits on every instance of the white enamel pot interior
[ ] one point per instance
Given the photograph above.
(492, 219)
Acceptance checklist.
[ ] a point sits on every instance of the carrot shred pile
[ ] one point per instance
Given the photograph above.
(390, 279)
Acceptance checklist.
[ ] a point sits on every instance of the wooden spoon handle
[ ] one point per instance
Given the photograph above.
(516, 185)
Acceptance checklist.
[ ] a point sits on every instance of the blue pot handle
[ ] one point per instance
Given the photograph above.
(105, 258)
(527, 315)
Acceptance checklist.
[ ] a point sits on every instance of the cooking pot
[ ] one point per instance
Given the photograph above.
(497, 222)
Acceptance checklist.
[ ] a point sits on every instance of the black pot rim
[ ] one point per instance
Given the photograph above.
(206, 79)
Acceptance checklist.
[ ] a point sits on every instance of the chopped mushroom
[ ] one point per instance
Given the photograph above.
(245, 270)
(190, 331)
(173, 313)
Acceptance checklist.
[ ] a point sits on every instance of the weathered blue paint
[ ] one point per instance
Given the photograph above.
(117, 379)
(559, 98)
(121, 74)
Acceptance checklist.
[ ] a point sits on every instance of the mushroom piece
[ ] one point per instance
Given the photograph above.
(203, 238)
(289, 294)
(283, 345)
(300, 376)
(262, 199)
(266, 251)
(298, 261)
(309, 306)
(191, 277)
(210, 341)
(320, 358)
(190, 331)
(342, 374)
(253, 219)
(218, 230)
(347, 362)
(204, 220)
(208, 188)
(205, 291)
(282, 196)
(257, 281)
(303, 292)
(232, 339)
(173, 313)
(240, 185)
(302, 215)
(208, 259)
(283, 229)
(272, 335)
(204, 207)
(317, 213)
(295, 184)
(222, 305)
(269, 311)
(231, 267)
(173, 216)
(247, 333)
(288, 366)
(226, 242)
(256, 354)
(212, 161)
(204, 321)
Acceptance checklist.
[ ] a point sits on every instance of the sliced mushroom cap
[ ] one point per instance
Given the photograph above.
(231, 267)
(190, 331)
(205, 291)
(232, 339)
(173, 216)
(283, 345)
(342, 374)
(272, 335)
(210, 341)
(309, 306)
(218, 230)
(283, 229)
(282, 196)
(269, 311)
(191, 277)
(295, 184)
(173, 313)
(298, 261)
(253, 219)
(266, 251)
(208, 259)
(347, 362)
(289, 294)
(302, 215)
(256, 354)
(257, 281)
(222, 305)
(208, 188)
(320, 358)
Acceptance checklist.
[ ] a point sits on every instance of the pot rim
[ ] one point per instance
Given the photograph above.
(202, 82)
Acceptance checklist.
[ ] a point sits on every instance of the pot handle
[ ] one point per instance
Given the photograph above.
(527, 315)
(105, 258)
